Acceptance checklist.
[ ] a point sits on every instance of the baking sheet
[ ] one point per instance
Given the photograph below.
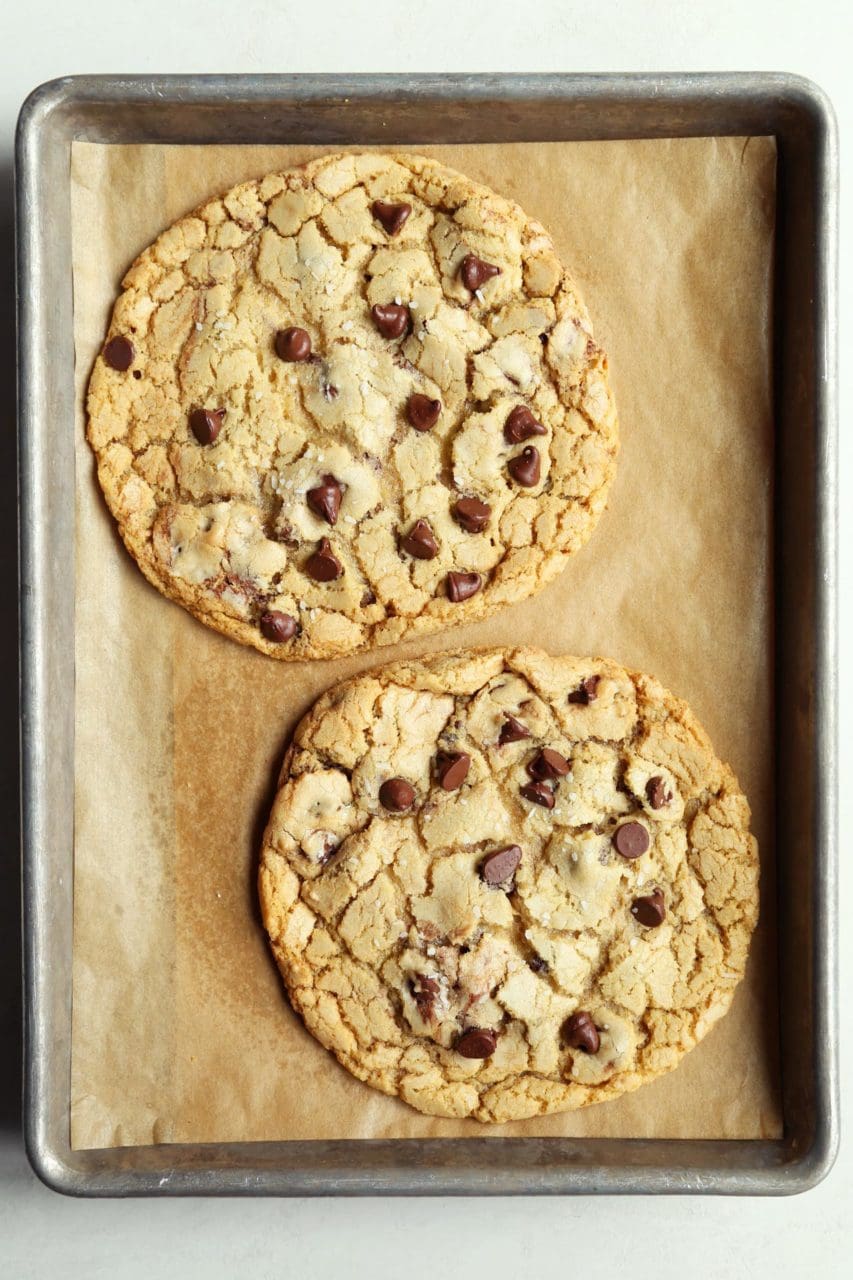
(180, 1028)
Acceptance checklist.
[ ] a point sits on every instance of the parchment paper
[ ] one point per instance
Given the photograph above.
(181, 1030)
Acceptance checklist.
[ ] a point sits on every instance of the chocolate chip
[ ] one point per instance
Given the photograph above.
(397, 795)
(452, 768)
(425, 992)
(392, 216)
(586, 692)
(474, 272)
(512, 730)
(206, 424)
(137, 373)
(277, 627)
(420, 541)
(325, 500)
(293, 345)
(521, 425)
(119, 353)
(472, 514)
(539, 793)
(537, 964)
(650, 911)
(524, 468)
(631, 839)
(658, 793)
(323, 565)
(461, 586)
(499, 867)
(422, 411)
(580, 1032)
(392, 320)
(477, 1042)
(548, 764)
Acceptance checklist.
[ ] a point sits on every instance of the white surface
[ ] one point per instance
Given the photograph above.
(43, 1234)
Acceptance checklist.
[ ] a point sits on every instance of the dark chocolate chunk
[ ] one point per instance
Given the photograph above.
(586, 692)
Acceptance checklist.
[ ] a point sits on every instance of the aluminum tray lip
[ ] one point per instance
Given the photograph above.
(778, 1168)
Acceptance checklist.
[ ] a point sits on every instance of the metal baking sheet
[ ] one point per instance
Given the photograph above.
(443, 109)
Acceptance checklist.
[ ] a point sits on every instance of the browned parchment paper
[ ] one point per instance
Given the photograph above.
(181, 1031)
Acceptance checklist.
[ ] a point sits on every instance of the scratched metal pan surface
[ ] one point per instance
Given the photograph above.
(334, 110)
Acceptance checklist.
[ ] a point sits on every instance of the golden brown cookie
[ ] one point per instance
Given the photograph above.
(351, 402)
(500, 883)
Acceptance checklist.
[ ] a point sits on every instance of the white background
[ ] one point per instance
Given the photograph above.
(42, 1234)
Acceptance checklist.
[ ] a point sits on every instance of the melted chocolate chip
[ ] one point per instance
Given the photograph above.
(512, 730)
(580, 1032)
(461, 586)
(392, 216)
(539, 793)
(278, 627)
(658, 793)
(325, 500)
(499, 867)
(420, 541)
(452, 768)
(548, 764)
(477, 1042)
(206, 424)
(525, 467)
(323, 565)
(537, 964)
(649, 911)
(396, 795)
(631, 840)
(422, 411)
(586, 692)
(472, 514)
(474, 272)
(392, 320)
(521, 425)
(119, 353)
(293, 345)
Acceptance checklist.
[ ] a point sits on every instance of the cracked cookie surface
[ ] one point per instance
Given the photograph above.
(499, 883)
(351, 402)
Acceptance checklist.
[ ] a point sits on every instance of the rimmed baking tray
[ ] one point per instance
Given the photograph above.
(515, 108)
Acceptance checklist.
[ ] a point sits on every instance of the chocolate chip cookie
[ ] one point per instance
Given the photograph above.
(499, 884)
(351, 402)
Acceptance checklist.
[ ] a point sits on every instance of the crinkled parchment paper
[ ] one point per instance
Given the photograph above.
(181, 1030)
